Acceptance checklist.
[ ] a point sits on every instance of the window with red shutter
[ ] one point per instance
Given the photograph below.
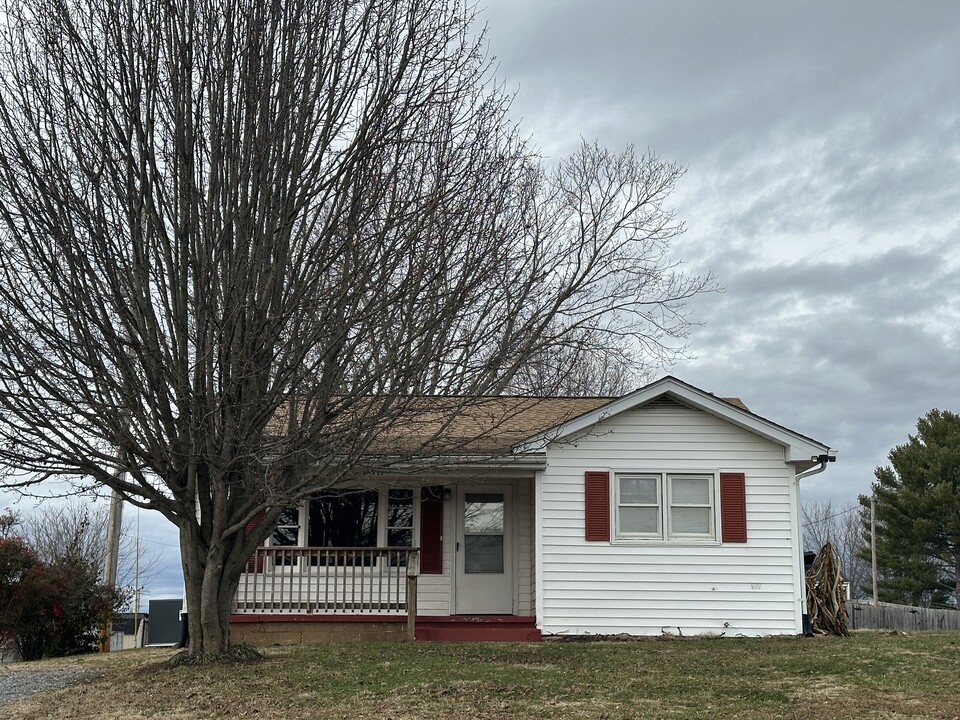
(733, 507)
(596, 506)
(665, 507)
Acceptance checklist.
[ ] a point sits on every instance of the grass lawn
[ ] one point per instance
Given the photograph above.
(871, 675)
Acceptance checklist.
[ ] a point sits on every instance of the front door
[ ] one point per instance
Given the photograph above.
(484, 551)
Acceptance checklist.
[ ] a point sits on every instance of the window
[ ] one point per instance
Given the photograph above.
(483, 532)
(353, 518)
(287, 534)
(691, 505)
(344, 518)
(400, 518)
(399, 522)
(638, 507)
(662, 506)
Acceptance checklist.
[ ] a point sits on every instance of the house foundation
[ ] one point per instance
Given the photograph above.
(263, 630)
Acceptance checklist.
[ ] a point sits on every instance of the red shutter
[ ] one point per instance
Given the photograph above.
(733, 507)
(254, 521)
(431, 530)
(596, 495)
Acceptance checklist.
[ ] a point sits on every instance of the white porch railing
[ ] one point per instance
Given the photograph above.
(332, 581)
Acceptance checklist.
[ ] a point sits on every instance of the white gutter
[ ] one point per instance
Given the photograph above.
(823, 460)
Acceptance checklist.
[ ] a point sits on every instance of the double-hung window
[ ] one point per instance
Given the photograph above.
(665, 506)
(399, 518)
(287, 533)
(639, 512)
(690, 506)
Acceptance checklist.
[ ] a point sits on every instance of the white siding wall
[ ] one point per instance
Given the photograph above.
(649, 588)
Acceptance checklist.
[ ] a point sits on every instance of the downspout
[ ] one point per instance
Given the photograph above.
(805, 618)
(823, 460)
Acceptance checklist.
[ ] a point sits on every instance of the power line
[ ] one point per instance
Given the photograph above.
(830, 517)
(157, 542)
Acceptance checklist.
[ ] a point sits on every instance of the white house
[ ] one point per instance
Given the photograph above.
(666, 510)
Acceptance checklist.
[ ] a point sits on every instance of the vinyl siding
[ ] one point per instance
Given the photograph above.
(646, 588)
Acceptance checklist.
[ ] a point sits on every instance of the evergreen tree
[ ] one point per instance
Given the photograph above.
(918, 515)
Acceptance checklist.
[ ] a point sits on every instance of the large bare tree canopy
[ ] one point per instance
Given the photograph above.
(240, 237)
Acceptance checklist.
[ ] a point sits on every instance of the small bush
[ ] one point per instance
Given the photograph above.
(51, 609)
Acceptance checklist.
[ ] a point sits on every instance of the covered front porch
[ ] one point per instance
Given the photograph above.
(396, 560)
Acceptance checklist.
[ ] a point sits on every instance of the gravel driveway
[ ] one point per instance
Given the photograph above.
(16, 684)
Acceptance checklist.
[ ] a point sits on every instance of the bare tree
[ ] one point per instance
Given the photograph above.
(243, 239)
(823, 523)
(62, 531)
(589, 364)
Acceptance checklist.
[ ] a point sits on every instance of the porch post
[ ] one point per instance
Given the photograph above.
(413, 565)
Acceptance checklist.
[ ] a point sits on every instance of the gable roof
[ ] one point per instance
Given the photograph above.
(488, 425)
(798, 448)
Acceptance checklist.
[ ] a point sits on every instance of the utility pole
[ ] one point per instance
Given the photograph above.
(873, 545)
(113, 540)
(112, 557)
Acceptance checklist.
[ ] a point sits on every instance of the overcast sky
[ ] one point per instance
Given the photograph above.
(822, 147)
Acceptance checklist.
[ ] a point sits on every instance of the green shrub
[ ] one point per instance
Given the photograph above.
(51, 609)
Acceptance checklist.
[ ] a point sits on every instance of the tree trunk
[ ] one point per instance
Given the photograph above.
(211, 577)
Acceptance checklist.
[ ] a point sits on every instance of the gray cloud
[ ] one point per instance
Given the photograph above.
(823, 155)
(685, 76)
(850, 353)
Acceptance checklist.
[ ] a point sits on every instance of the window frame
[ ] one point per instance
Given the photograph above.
(383, 519)
(665, 534)
(712, 506)
(621, 535)
(281, 525)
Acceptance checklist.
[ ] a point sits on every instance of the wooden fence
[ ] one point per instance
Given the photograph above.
(887, 616)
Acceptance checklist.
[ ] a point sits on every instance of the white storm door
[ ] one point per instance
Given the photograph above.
(484, 551)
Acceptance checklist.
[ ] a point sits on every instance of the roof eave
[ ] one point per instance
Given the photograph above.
(797, 448)
(531, 461)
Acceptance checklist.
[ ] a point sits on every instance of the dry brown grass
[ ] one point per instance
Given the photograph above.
(873, 676)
